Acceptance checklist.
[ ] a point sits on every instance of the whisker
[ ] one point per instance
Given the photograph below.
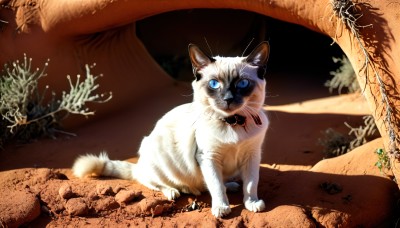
(205, 39)
(251, 41)
(256, 118)
(255, 102)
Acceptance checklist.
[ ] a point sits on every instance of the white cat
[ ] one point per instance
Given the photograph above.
(201, 145)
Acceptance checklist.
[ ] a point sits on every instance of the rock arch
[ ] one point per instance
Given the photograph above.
(73, 33)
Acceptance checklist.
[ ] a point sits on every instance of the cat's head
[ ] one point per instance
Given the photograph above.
(230, 85)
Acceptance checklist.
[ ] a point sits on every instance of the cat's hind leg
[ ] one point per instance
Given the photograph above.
(153, 180)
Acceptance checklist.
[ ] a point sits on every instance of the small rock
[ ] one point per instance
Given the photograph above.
(43, 175)
(65, 191)
(77, 207)
(117, 188)
(158, 210)
(126, 196)
(146, 205)
(93, 196)
(105, 204)
(103, 189)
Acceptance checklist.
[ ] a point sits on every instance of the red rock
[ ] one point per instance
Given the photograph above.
(157, 210)
(126, 196)
(148, 205)
(65, 191)
(105, 204)
(18, 208)
(104, 189)
(76, 207)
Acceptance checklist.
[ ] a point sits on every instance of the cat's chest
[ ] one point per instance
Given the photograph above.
(229, 146)
(233, 156)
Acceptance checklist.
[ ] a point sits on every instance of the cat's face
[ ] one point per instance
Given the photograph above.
(230, 85)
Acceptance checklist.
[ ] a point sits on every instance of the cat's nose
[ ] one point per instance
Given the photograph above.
(229, 101)
(228, 97)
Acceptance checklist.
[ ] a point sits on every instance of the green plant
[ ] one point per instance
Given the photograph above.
(26, 114)
(383, 160)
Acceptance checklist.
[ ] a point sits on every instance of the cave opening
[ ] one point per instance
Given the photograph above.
(300, 60)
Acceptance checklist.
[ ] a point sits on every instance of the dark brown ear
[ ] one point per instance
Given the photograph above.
(198, 58)
(259, 56)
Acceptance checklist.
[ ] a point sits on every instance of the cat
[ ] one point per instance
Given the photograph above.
(202, 145)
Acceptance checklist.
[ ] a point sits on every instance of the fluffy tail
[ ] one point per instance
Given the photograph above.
(102, 166)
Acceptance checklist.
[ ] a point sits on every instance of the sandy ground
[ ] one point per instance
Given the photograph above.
(300, 188)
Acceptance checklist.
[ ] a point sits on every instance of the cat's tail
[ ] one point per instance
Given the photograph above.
(102, 166)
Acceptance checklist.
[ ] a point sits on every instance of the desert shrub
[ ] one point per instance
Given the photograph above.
(364, 133)
(28, 113)
(344, 77)
(336, 143)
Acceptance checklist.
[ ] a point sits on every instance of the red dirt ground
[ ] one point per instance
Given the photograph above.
(299, 187)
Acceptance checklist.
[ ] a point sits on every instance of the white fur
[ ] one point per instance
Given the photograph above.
(192, 150)
(101, 166)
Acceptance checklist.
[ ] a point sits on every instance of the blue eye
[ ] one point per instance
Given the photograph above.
(244, 83)
(214, 84)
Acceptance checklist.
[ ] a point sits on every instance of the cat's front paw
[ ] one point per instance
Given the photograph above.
(220, 210)
(170, 193)
(254, 205)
